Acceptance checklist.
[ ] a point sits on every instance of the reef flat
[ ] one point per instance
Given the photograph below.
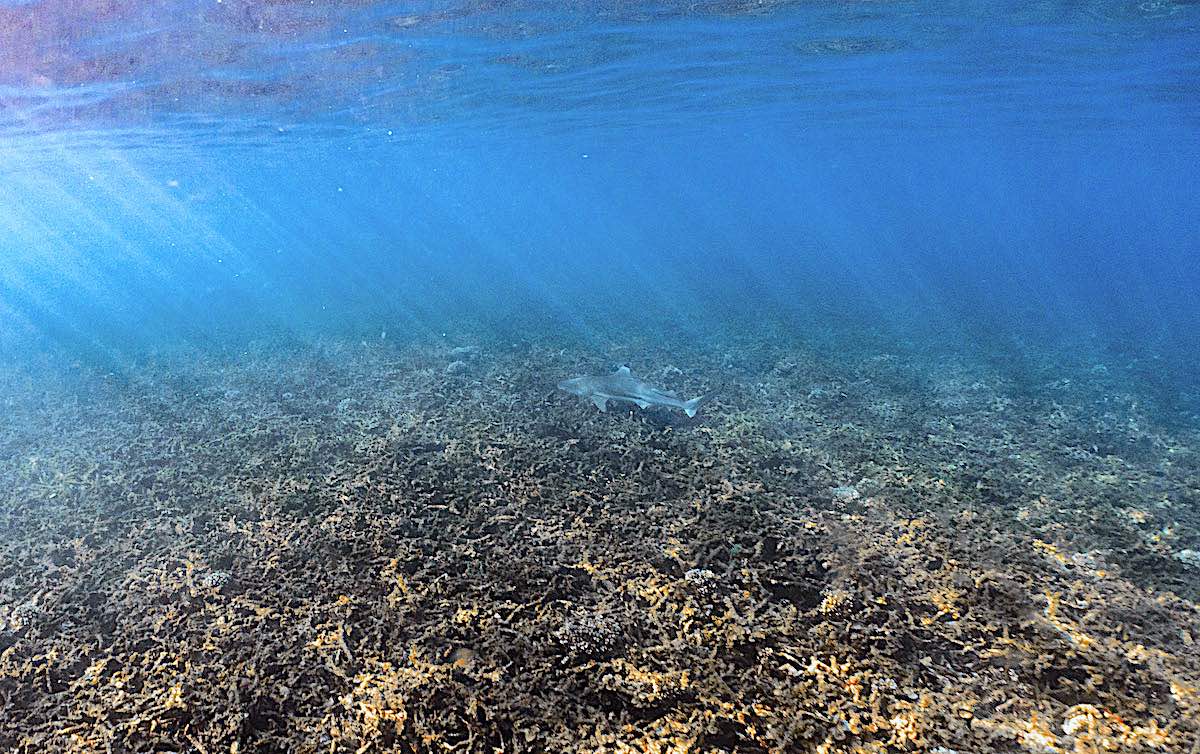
(359, 546)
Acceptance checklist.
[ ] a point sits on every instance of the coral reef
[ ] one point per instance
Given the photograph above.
(359, 547)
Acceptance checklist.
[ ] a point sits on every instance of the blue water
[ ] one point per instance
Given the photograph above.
(199, 171)
(964, 175)
(287, 287)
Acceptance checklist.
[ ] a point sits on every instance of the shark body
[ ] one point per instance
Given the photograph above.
(621, 385)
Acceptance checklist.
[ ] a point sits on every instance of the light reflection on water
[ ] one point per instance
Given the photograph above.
(234, 66)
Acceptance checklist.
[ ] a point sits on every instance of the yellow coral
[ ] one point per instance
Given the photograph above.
(906, 729)
(173, 699)
(1066, 627)
(1182, 691)
(1049, 550)
(944, 600)
(834, 601)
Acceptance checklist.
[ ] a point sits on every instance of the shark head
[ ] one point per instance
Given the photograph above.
(577, 386)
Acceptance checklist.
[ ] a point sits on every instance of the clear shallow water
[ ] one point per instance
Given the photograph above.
(286, 289)
(184, 172)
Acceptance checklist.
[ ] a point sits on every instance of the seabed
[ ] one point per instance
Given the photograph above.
(371, 547)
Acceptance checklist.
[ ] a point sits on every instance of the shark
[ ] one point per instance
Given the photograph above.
(621, 385)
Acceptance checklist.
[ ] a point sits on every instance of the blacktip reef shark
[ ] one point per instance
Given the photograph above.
(621, 385)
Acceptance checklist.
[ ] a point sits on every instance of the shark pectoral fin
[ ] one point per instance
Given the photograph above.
(601, 402)
(643, 404)
(623, 370)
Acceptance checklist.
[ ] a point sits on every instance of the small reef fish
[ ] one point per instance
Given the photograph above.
(621, 385)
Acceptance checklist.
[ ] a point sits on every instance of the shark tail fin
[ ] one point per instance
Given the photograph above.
(691, 407)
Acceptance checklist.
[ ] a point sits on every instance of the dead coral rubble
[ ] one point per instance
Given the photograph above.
(342, 550)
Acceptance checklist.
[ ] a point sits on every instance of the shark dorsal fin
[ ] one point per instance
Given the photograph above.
(623, 370)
